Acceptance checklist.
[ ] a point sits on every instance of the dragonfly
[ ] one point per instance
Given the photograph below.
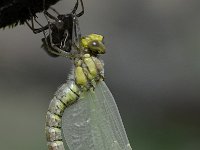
(84, 108)
(83, 111)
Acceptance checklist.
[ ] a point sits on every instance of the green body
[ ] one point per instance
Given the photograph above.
(86, 74)
(91, 120)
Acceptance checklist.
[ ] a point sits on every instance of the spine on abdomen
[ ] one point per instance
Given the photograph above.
(66, 95)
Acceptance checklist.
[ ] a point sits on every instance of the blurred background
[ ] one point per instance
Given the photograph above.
(152, 67)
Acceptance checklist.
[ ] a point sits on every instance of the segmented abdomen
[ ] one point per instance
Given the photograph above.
(88, 71)
(66, 95)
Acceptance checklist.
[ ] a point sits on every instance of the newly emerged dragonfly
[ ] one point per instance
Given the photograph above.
(83, 108)
(91, 119)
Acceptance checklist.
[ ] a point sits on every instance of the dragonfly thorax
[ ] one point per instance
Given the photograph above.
(88, 70)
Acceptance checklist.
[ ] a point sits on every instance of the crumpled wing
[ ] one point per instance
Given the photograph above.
(94, 122)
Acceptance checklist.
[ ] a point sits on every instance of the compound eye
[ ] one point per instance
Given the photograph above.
(95, 43)
(96, 47)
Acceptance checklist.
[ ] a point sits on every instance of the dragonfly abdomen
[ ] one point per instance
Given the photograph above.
(66, 95)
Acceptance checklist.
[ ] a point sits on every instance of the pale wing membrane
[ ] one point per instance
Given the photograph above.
(76, 126)
(112, 115)
(94, 122)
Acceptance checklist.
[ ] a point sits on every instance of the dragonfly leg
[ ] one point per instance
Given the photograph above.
(53, 9)
(47, 14)
(76, 7)
(32, 26)
(82, 11)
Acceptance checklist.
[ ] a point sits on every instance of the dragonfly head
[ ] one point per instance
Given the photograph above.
(93, 43)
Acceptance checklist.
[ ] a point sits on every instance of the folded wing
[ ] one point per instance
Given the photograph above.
(94, 122)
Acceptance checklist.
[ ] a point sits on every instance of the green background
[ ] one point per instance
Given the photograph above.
(152, 67)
